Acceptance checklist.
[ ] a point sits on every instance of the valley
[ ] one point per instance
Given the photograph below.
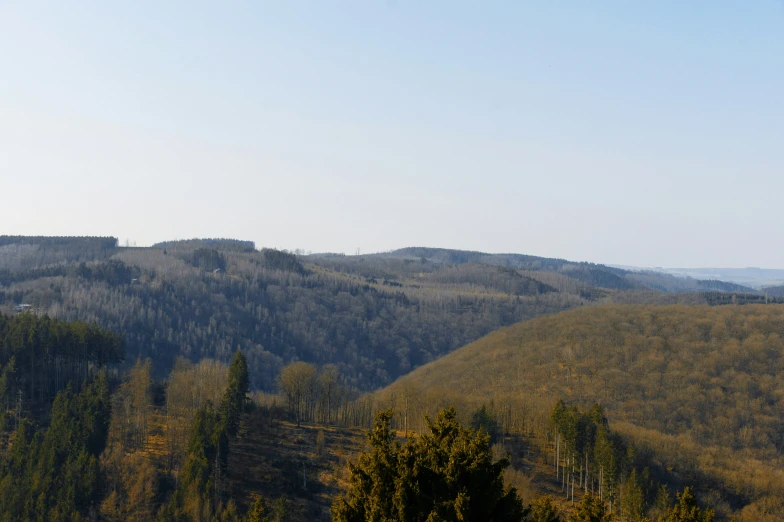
(687, 382)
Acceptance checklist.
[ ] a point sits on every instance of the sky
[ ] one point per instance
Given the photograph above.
(635, 133)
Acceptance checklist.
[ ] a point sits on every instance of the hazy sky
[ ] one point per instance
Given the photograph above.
(641, 133)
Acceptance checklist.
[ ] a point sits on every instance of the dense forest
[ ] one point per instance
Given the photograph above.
(194, 447)
(194, 300)
(375, 317)
(207, 380)
(699, 388)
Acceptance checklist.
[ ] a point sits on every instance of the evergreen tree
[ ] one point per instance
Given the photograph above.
(543, 510)
(590, 509)
(53, 475)
(233, 403)
(483, 419)
(198, 492)
(686, 510)
(446, 474)
(632, 498)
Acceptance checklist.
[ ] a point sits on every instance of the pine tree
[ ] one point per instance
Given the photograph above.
(446, 474)
(632, 498)
(543, 510)
(590, 509)
(686, 510)
(233, 403)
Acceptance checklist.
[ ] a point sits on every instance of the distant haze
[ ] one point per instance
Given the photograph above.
(754, 277)
(639, 133)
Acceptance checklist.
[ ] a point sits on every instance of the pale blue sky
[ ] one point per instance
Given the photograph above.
(630, 132)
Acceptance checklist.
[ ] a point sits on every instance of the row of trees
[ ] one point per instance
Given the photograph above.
(592, 508)
(588, 456)
(19, 253)
(313, 394)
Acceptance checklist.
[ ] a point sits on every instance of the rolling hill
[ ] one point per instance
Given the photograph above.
(374, 316)
(699, 388)
(206, 298)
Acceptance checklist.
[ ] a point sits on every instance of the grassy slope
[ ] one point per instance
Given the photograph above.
(701, 388)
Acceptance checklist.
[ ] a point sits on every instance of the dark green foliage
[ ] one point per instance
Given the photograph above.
(446, 474)
(42, 355)
(197, 493)
(233, 403)
(199, 487)
(53, 475)
(201, 484)
(586, 441)
(686, 510)
(111, 271)
(7, 276)
(632, 498)
(20, 253)
(73, 243)
(282, 261)
(582, 433)
(234, 245)
(208, 259)
(483, 419)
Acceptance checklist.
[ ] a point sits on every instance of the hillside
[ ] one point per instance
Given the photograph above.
(206, 298)
(376, 316)
(591, 274)
(700, 387)
(774, 291)
(306, 465)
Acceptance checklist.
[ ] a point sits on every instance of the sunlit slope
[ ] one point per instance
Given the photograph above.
(716, 373)
(698, 389)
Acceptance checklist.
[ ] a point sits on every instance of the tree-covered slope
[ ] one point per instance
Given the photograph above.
(198, 301)
(376, 316)
(701, 387)
(592, 274)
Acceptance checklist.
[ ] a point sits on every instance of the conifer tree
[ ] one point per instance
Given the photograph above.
(686, 510)
(446, 474)
(543, 510)
(233, 402)
(590, 509)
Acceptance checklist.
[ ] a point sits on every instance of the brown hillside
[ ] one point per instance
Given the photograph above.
(700, 387)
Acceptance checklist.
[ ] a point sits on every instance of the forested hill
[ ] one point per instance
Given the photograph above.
(206, 298)
(592, 274)
(23, 253)
(376, 317)
(699, 387)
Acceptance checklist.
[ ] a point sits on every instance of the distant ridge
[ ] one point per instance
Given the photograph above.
(221, 243)
(750, 276)
(595, 274)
